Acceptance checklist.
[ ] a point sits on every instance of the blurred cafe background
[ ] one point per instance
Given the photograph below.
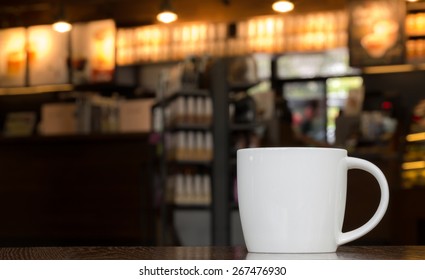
(120, 127)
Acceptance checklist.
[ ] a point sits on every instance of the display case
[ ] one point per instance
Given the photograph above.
(413, 165)
(187, 147)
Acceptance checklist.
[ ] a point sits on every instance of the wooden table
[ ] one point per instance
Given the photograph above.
(202, 253)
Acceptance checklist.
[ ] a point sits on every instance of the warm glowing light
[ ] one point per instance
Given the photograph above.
(416, 137)
(166, 17)
(39, 43)
(13, 52)
(16, 42)
(103, 47)
(413, 165)
(62, 26)
(283, 6)
(412, 0)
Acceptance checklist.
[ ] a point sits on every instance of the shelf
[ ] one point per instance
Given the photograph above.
(193, 163)
(188, 127)
(182, 93)
(416, 137)
(315, 78)
(110, 88)
(217, 167)
(36, 89)
(190, 207)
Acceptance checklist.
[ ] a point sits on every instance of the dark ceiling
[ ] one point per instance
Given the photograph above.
(140, 12)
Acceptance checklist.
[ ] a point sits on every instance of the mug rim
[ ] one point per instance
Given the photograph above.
(291, 148)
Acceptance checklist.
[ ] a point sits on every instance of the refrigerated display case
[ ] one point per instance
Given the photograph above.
(338, 90)
(413, 165)
(316, 87)
(306, 101)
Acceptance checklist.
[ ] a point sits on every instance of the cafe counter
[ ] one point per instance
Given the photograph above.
(206, 253)
(76, 190)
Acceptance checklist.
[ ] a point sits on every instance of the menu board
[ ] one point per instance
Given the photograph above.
(319, 64)
(12, 57)
(47, 56)
(376, 32)
(93, 51)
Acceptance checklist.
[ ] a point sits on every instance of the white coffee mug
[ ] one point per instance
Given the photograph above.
(292, 200)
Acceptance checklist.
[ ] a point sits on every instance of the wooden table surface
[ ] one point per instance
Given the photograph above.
(202, 253)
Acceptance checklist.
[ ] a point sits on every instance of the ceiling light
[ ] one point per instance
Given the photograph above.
(283, 6)
(61, 25)
(166, 14)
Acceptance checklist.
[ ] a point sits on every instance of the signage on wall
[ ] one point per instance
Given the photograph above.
(93, 56)
(12, 57)
(38, 55)
(376, 32)
(47, 51)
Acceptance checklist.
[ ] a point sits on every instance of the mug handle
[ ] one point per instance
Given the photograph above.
(356, 163)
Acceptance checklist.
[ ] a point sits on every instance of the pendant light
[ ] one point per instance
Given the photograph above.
(166, 14)
(61, 25)
(283, 6)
